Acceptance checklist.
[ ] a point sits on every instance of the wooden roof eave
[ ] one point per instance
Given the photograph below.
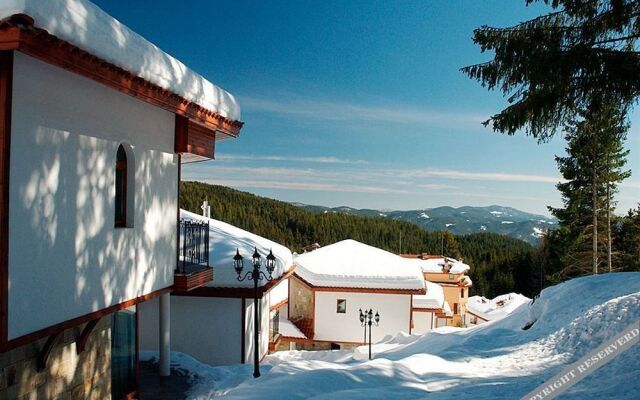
(18, 33)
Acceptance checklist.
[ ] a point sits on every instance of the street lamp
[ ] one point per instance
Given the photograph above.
(367, 318)
(255, 275)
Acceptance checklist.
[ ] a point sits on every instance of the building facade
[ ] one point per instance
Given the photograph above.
(332, 284)
(90, 159)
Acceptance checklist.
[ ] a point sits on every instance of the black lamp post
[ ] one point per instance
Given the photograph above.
(255, 275)
(367, 318)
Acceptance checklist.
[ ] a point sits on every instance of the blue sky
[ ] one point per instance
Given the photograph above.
(359, 103)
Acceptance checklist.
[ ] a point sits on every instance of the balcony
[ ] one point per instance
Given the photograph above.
(193, 268)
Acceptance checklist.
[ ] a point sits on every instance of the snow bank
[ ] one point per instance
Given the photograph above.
(497, 308)
(224, 239)
(353, 264)
(86, 26)
(496, 360)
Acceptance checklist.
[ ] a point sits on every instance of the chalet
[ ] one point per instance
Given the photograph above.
(333, 283)
(95, 123)
(451, 275)
(214, 323)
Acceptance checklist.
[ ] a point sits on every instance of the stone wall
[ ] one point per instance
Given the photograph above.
(301, 301)
(67, 375)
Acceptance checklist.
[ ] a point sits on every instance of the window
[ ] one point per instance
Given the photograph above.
(455, 308)
(342, 306)
(462, 293)
(452, 276)
(121, 188)
(123, 352)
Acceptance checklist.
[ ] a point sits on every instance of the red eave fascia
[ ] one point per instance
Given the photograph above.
(359, 289)
(18, 33)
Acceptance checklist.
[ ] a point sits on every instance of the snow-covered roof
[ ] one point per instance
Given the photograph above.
(288, 330)
(496, 308)
(86, 26)
(356, 265)
(436, 265)
(433, 299)
(224, 239)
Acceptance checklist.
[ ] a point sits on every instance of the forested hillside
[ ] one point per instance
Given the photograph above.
(499, 263)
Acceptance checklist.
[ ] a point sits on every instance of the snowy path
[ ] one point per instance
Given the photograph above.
(497, 360)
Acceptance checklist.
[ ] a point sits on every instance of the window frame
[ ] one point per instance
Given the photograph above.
(344, 309)
(120, 207)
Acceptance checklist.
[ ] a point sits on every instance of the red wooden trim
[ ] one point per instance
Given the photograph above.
(6, 94)
(238, 293)
(43, 355)
(178, 211)
(81, 341)
(279, 304)
(431, 310)
(358, 290)
(36, 42)
(244, 321)
(31, 337)
(183, 283)
(477, 316)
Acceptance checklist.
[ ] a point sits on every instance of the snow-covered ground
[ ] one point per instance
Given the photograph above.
(496, 360)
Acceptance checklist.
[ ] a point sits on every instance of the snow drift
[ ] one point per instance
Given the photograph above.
(496, 360)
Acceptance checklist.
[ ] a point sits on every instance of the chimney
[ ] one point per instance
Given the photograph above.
(206, 209)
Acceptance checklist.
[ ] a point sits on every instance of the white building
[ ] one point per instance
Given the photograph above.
(94, 125)
(430, 310)
(214, 323)
(332, 284)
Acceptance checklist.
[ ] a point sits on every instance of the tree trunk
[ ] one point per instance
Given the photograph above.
(595, 223)
(609, 246)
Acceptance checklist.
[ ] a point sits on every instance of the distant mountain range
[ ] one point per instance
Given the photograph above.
(497, 219)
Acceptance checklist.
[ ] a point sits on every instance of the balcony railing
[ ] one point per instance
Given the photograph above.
(193, 268)
(194, 245)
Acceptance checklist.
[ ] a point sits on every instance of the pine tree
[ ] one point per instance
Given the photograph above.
(555, 64)
(592, 169)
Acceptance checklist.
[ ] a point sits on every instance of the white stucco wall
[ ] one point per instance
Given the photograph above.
(66, 259)
(279, 293)
(264, 328)
(394, 312)
(422, 322)
(206, 328)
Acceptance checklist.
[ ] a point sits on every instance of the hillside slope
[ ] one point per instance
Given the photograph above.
(499, 263)
(462, 220)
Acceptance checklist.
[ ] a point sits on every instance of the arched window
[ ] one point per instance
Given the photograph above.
(121, 188)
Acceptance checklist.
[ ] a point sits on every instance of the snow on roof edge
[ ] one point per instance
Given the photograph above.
(342, 265)
(88, 27)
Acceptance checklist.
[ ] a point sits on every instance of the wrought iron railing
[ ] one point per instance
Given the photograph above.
(194, 245)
